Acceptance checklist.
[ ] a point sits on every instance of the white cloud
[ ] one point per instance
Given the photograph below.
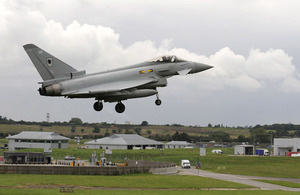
(273, 64)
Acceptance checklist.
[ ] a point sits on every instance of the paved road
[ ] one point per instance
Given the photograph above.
(241, 179)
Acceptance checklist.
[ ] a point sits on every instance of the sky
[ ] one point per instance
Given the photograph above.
(253, 45)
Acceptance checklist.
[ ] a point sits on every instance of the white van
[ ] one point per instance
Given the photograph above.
(185, 164)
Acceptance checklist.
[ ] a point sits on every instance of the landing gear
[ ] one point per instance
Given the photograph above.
(120, 107)
(157, 101)
(98, 106)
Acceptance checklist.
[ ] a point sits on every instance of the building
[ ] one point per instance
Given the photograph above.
(26, 158)
(33, 139)
(243, 149)
(179, 144)
(284, 145)
(123, 141)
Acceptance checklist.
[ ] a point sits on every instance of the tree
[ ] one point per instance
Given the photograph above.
(241, 138)
(96, 129)
(209, 125)
(138, 130)
(168, 137)
(259, 135)
(280, 132)
(149, 132)
(220, 136)
(181, 137)
(144, 123)
(75, 121)
(73, 129)
(82, 130)
(114, 131)
(297, 133)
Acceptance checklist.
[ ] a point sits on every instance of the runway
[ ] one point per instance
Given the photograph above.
(243, 179)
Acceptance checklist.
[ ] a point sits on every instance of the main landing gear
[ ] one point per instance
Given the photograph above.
(120, 107)
(98, 106)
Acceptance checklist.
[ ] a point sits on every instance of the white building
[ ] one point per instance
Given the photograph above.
(33, 139)
(284, 145)
(123, 141)
(179, 144)
(244, 150)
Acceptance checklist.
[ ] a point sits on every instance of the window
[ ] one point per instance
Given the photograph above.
(167, 58)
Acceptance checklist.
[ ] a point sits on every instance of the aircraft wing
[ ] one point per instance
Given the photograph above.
(111, 87)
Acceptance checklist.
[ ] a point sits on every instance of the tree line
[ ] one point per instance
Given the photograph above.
(258, 133)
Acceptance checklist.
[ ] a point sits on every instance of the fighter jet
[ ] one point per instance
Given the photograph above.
(135, 81)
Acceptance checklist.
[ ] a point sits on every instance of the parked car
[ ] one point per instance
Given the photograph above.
(70, 158)
(217, 151)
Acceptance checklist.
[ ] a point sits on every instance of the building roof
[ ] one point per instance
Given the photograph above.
(180, 143)
(35, 135)
(244, 145)
(124, 139)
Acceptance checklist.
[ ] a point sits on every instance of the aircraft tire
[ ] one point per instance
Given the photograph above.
(98, 106)
(120, 107)
(158, 102)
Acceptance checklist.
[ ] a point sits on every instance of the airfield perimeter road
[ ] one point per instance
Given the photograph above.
(243, 179)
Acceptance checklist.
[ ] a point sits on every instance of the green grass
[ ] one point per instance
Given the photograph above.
(147, 181)
(143, 192)
(281, 183)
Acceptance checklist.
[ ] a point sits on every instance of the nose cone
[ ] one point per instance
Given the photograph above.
(198, 67)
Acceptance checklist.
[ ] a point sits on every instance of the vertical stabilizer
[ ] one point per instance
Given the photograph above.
(48, 66)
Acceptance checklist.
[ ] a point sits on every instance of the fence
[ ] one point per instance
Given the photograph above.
(133, 167)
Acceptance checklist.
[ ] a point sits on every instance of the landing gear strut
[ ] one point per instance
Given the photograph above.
(120, 107)
(157, 101)
(98, 106)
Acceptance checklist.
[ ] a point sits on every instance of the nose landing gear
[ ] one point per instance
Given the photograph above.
(157, 101)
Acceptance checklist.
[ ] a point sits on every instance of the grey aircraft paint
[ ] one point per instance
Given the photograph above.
(136, 81)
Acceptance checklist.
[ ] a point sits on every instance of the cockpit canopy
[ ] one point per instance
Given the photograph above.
(167, 58)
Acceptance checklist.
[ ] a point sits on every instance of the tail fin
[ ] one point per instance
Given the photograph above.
(48, 66)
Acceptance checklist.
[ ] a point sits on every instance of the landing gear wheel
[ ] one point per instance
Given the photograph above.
(158, 102)
(120, 107)
(98, 106)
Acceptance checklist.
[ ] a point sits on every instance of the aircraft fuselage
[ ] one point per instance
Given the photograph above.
(135, 81)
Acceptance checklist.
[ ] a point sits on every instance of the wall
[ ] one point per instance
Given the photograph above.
(143, 167)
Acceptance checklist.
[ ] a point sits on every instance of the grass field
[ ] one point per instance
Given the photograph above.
(141, 181)
(125, 184)
(281, 183)
(143, 192)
